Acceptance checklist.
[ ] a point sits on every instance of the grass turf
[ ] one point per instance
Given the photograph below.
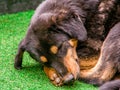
(12, 29)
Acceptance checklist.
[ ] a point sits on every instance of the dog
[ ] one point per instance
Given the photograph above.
(54, 31)
(52, 37)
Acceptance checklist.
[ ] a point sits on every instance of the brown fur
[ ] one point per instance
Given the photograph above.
(108, 62)
(87, 63)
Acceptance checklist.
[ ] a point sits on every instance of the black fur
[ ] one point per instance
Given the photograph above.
(113, 85)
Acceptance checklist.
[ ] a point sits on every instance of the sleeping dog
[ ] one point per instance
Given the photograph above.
(54, 31)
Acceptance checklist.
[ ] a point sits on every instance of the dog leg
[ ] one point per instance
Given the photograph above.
(113, 85)
(18, 58)
(102, 72)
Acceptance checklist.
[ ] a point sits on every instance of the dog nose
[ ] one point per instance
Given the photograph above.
(68, 79)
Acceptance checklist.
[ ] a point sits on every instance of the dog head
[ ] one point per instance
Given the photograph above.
(58, 33)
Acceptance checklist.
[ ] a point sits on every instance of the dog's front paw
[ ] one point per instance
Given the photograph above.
(55, 78)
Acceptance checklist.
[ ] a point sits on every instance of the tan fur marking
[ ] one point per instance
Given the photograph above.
(49, 72)
(53, 76)
(109, 71)
(73, 42)
(54, 49)
(88, 62)
(43, 59)
(93, 72)
(71, 64)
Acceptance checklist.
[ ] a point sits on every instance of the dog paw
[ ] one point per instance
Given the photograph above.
(17, 67)
(55, 78)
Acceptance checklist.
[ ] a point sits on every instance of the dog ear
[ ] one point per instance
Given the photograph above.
(74, 28)
(44, 20)
(47, 19)
(70, 26)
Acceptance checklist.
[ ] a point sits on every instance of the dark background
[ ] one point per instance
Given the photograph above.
(12, 6)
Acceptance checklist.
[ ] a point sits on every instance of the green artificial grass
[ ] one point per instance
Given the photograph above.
(12, 29)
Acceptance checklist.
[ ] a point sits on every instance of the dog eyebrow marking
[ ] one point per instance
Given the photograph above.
(43, 59)
(54, 49)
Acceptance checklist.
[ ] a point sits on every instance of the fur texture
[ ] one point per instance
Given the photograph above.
(59, 24)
